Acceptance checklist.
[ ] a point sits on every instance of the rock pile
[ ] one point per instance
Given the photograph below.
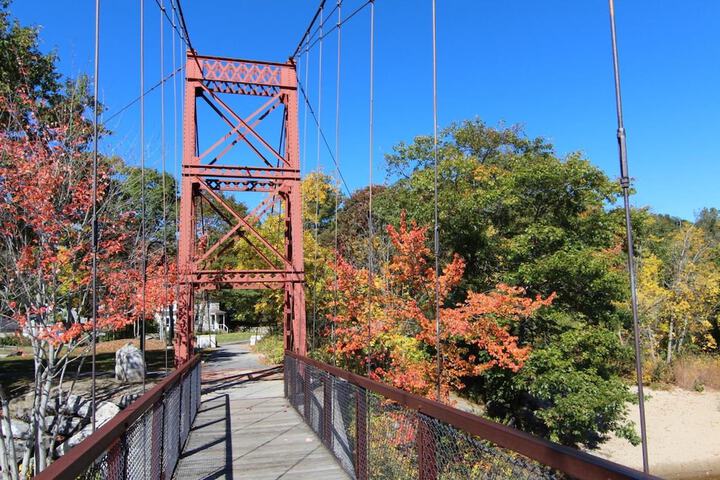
(70, 420)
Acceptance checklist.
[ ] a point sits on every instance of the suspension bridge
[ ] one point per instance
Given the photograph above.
(306, 419)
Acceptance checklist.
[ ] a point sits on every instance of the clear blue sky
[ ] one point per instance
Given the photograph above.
(544, 64)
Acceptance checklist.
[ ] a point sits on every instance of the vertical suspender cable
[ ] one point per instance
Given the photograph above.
(143, 252)
(171, 329)
(94, 226)
(317, 172)
(371, 234)
(337, 169)
(436, 229)
(162, 169)
(305, 113)
(625, 184)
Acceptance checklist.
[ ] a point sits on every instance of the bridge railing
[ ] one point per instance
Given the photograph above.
(144, 440)
(376, 431)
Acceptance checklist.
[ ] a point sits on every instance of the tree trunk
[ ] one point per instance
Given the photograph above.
(681, 339)
(7, 452)
(670, 342)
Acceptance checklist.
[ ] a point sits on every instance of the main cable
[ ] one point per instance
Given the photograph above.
(310, 45)
(320, 26)
(94, 226)
(625, 184)
(163, 12)
(318, 12)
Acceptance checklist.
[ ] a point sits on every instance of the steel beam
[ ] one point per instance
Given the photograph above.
(207, 78)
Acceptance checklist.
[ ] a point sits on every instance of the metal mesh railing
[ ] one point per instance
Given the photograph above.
(381, 433)
(143, 441)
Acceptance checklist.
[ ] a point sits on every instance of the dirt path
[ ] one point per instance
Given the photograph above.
(683, 435)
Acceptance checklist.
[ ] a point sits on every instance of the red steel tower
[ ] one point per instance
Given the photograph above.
(207, 179)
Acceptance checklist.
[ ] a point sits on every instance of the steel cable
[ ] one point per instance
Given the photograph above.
(337, 174)
(625, 184)
(436, 230)
(94, 226)
(371, 234)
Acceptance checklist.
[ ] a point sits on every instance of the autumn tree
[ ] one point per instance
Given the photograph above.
(385, 323)
(679, 288)
(519, 214)
(45, 225)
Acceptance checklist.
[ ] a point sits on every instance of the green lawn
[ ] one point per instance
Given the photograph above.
(232, 337)
(16, 373)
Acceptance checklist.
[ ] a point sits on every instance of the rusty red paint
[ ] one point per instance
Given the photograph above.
(278, 176)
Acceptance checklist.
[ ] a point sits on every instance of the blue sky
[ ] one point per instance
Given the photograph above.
(546, 65)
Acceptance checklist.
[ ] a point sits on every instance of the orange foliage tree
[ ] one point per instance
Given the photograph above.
(45, 230)
(384, 324)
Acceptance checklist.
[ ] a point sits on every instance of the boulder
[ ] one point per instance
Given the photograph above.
(67, 425)
(105, 411)
(127, 399)
(129, 364)
(72, 405)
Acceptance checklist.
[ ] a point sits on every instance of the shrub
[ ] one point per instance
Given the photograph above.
(657, 373)
(272, 348)
(697, 372)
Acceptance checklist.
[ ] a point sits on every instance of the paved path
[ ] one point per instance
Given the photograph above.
(247, 430)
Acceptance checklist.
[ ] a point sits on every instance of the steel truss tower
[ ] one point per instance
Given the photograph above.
(276, 174)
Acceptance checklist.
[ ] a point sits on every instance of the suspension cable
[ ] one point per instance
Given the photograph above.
(143, 251)
(94, 227)
(163, 14)
(625, 184)
(171, 328)
(317, 188)
(310, 44)
(436, 229)
(183, 25)
(310, 39)
(318, 13)
(371, 234)
(305, 110)
(337, 174)
(144, 94)
(322, 135)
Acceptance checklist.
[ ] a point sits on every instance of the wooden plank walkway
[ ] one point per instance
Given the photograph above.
(247, 430)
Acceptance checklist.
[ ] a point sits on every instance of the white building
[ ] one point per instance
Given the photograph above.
(209, 320)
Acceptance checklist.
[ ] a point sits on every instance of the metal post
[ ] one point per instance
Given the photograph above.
(425, 441)
(327, 410)
(361, 440)
(625, 183)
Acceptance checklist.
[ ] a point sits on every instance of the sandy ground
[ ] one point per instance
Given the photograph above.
(683, 435)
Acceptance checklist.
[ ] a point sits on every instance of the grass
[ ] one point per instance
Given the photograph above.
(233, 337)
(17, 372)
(697, 372)
(271, 347)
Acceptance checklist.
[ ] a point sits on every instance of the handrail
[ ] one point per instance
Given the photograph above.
(568, 460)
(79, 458)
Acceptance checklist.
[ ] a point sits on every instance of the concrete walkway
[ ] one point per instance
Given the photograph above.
(245, 429)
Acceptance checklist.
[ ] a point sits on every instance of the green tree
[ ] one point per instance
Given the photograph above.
(521, 215)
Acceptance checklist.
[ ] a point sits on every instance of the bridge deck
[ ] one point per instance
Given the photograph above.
(247, 430)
